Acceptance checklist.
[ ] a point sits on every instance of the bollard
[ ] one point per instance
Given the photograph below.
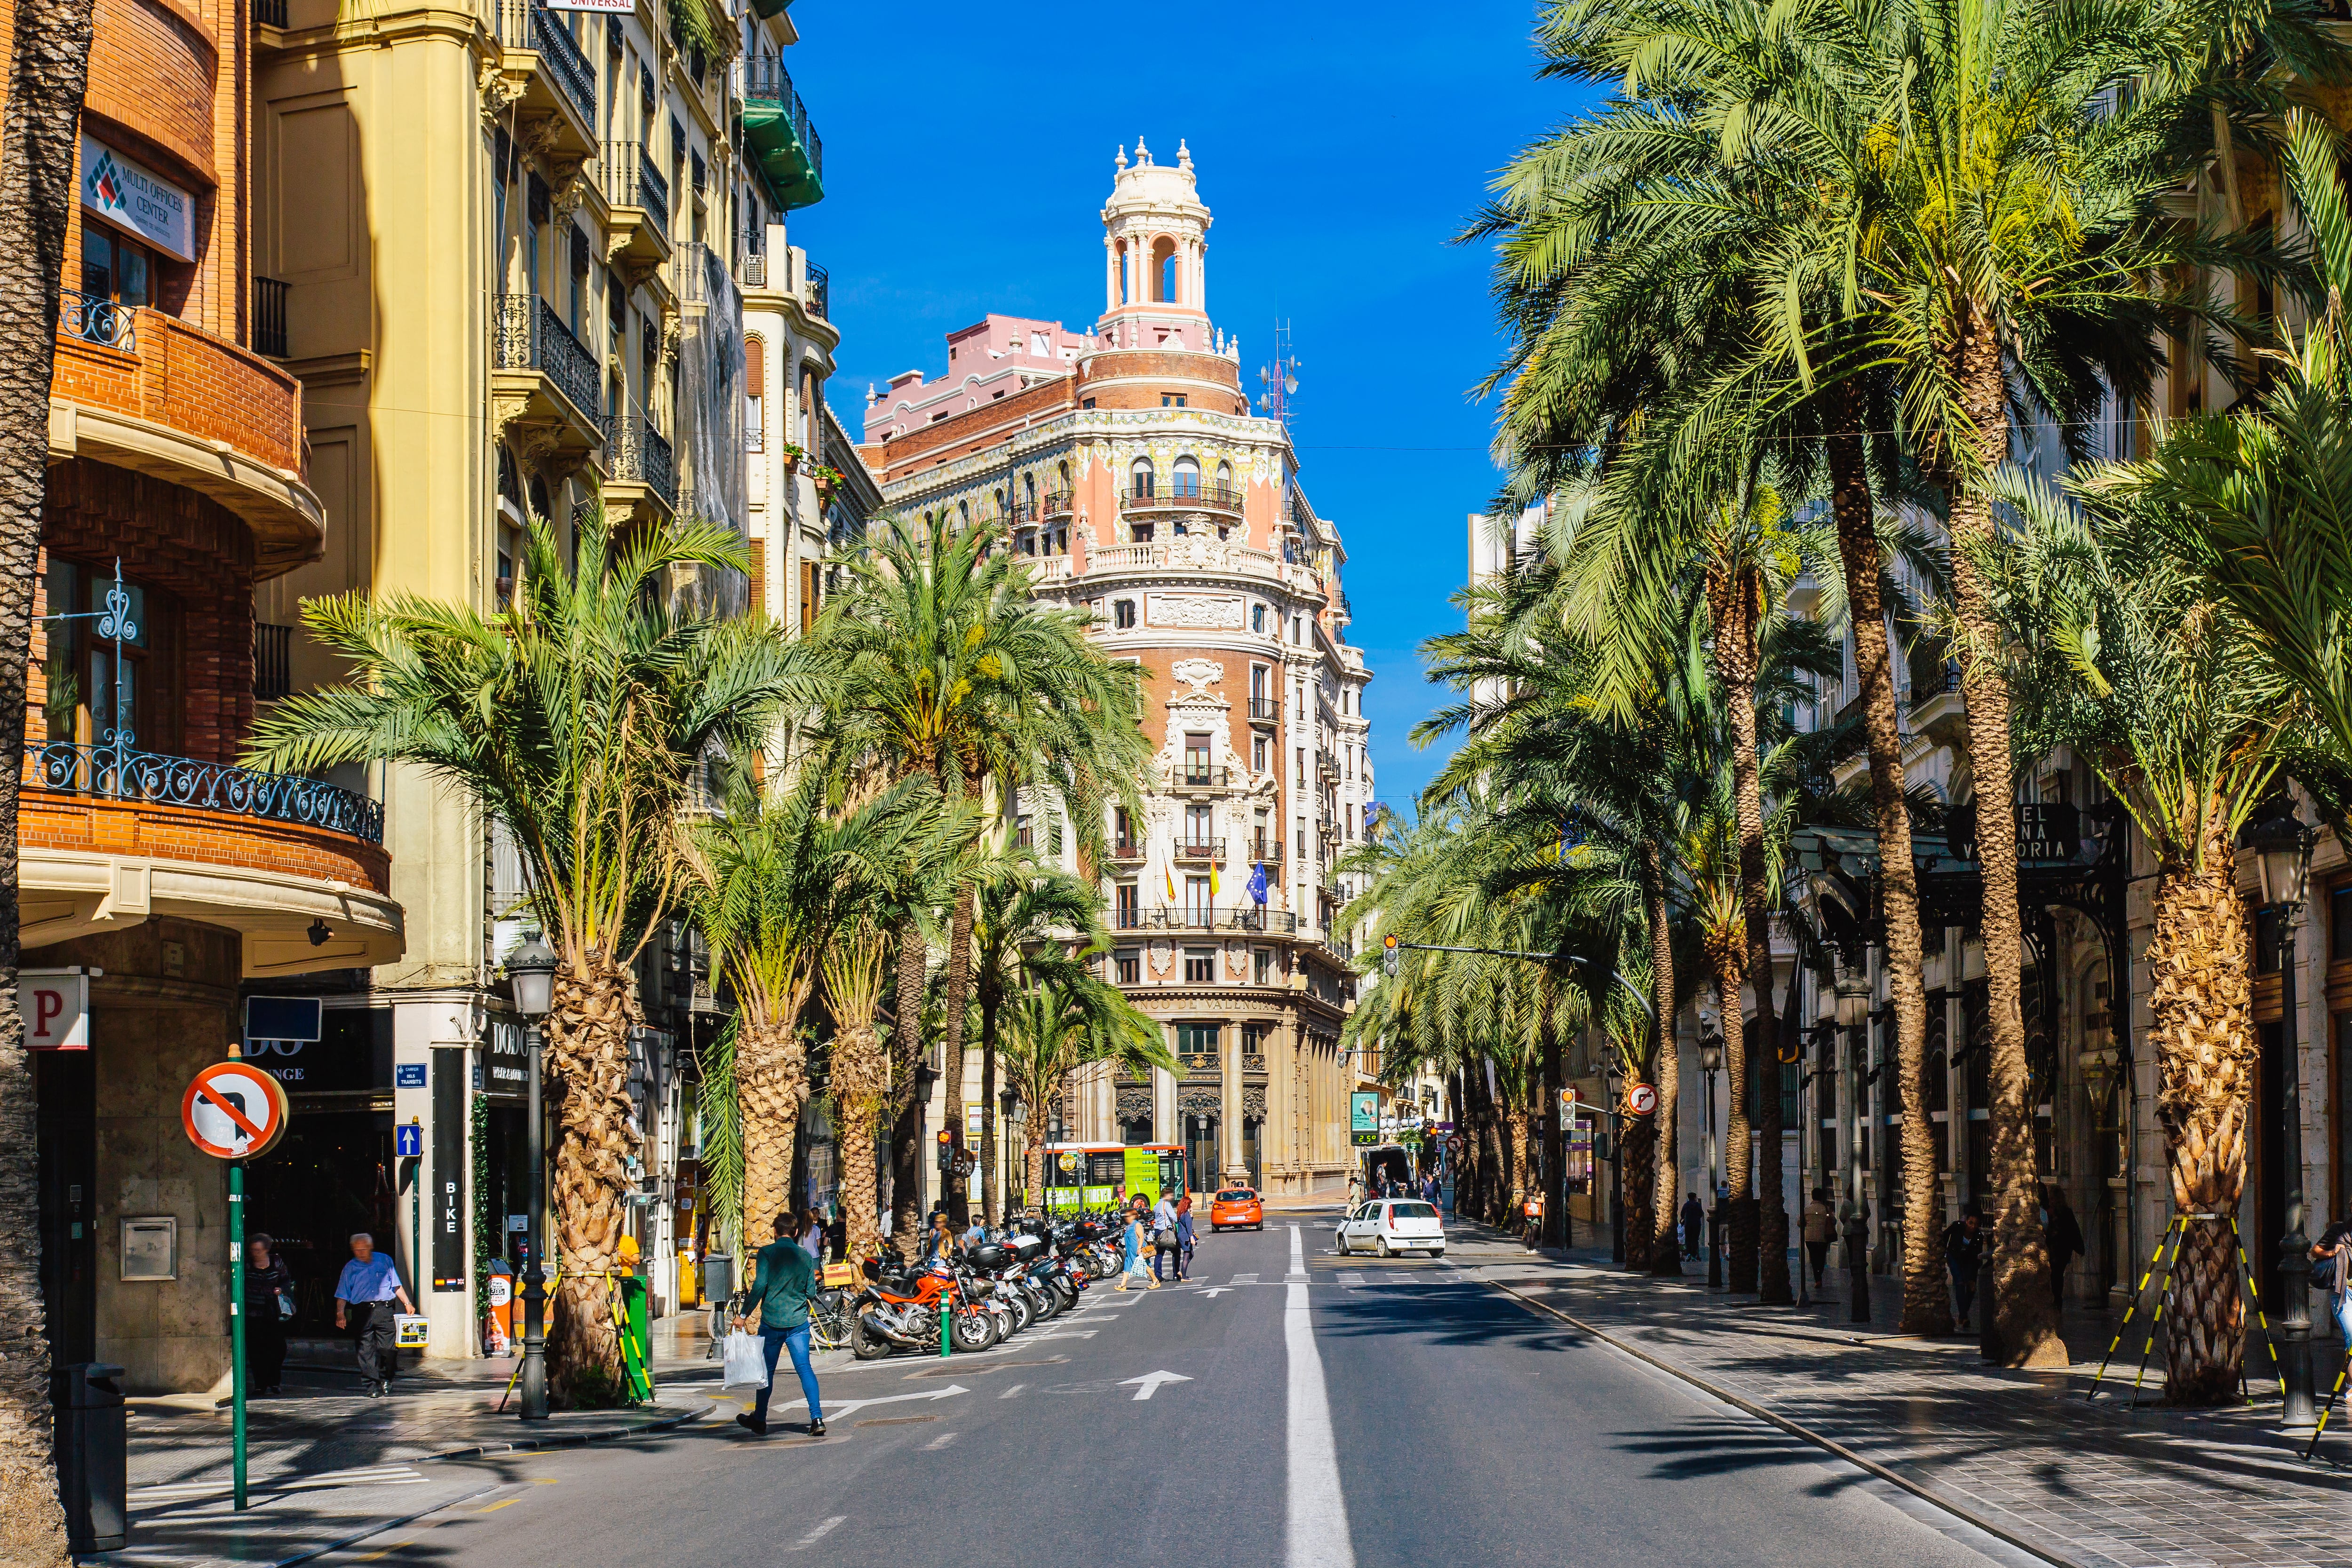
(92, 1451)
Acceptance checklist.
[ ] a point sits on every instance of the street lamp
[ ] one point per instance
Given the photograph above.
(530, 974)
(2282, 845)
(1853, 1017)
(1710, 1061)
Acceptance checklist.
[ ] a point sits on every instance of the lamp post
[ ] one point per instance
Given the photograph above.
(1853, 1017)
(1710, 1061)
(2282, 846)
(1014, 1117)
(531, 971)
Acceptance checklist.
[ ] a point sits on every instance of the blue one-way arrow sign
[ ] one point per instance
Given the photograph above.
(408, 1140)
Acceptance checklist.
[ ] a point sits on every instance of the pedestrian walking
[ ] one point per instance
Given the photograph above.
(1184, 1238)
(369, 1283)
(1166, 1245)
(1821, 1224)
(1963, 1252)
(269, 1306)
(941, 1240)
(2061, 1233)
(2331, 1255)
(1131, 1268)
(812, 1238)
(782, 1280)
(1693, 1220)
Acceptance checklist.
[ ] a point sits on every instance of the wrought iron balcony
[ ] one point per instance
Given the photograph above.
(1200, 850)
(533, 336)
(1127, 850)
(1059, 504)
(1264, 710)
(1181, 493)
(776, 123)
(1233, 917)
(121, 773)
(637, 454)
(1202, 778)
(820, 291)
(273, 659)
(527, 25)
(94, 319)
(269, 317)
(632, 180)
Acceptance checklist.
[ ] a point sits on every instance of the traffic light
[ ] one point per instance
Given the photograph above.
(946, 1149)
(1388, 953)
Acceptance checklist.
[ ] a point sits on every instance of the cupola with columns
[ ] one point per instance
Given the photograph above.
(1155, 244)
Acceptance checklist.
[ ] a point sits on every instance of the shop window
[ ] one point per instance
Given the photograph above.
(2339, 922)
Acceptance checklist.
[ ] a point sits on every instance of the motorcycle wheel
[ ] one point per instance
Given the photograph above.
(1045, 1303)
(863, 1343)
(1023, 1314)
(974, 1331)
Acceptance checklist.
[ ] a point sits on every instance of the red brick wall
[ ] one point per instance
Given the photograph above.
(179, 376)
(208, 838)
(190, 547)
(153, 70)
(975, 430)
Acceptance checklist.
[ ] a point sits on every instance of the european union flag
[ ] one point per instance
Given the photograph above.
(1257, 885)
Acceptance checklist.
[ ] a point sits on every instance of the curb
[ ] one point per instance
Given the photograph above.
(1796, 1429)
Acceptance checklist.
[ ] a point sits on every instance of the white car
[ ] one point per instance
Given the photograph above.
(1391, 1225)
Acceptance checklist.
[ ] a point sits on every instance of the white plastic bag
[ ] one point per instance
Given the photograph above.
(747, 1362)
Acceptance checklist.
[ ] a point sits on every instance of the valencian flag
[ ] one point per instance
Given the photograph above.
(1257, 885)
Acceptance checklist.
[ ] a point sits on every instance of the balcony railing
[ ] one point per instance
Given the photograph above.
(634, 180)
(1127, 850)
(269, 318)
(98, 320)
(1238, 918)
(1266, 851)
(1057, 504)
(1181, 493)
(117, 773)
(1200, 850)
(1203, 778)
(533, 336)
(1264, 710)
(635, 453)
(269, 12)
(273, 661)
(527, 25)
(766, 80)
(820, 291)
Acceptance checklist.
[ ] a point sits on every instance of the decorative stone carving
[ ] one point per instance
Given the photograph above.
(1163, 954)
(1254, 1103)
(1199, 612)
(1135, 1102)
(500, 92)
(1191, 1100)
(1197, 674)
(1236, 960)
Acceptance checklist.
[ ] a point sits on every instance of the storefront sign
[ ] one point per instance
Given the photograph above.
(506, 1056)
(2048, 831)
(353, 1053)
(610, 8)
(449, 1220)
(55, 1007)
(124, 190)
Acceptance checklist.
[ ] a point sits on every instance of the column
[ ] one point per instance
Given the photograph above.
(1229, 1100)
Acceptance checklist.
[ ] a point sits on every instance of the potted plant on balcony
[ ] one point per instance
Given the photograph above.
(793, 455)
(827, 481)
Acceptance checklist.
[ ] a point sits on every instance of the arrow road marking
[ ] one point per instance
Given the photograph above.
(848, 1406)
(1152, 1381)
(1213, 1292)
(819, 1533)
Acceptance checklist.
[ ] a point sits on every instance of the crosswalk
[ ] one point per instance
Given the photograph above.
(165, 1495)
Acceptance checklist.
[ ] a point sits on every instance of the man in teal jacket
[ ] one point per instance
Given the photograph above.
(782, 1281)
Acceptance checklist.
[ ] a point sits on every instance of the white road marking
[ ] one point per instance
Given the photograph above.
(848, 1405)
(820, 1533)
(1244, 1279)
(1319, 1508)
(1152, 1381)
(941, 1441)
(1012, 1391)
(1213, 1292)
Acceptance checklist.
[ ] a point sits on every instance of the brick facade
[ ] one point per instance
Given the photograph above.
(168, 832)
(184, 378)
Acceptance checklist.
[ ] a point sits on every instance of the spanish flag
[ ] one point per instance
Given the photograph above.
(1212, 879)
(1168, 871)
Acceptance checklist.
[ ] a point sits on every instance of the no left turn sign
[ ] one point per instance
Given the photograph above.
(233, 1111)
(1642, 1099)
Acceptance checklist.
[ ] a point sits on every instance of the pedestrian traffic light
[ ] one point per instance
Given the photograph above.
(1388, 953)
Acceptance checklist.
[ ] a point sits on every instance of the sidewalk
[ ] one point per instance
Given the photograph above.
(2101, 1484)
(327, 1466)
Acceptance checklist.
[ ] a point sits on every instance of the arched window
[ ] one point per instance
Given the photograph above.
(964, 511)
(1187, 476)
(1142, 474)
(1126, 264)
(1225, 478)
(1029, 490)
(538, 504)
(1065, 473)
(1163, 270)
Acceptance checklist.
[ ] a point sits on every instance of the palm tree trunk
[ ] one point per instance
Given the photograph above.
(48, 69)
(2201, 1011)
(1926, 1305)
(588, 1056)
(1735, 599)
(1523, 1130)
(1730, 957)
(955, 1190)
(1035, 1162)
(1664, 1256)
(988, 1197)
(906, 1132)
(2024, 1315)
(1494, 1204)
(1555, 1147)
(861, 1081)
(1638, 1149)
(771, 1083)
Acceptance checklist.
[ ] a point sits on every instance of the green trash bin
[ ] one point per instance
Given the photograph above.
(637, 1340)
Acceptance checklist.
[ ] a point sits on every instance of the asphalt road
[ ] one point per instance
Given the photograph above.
(1461, 1428)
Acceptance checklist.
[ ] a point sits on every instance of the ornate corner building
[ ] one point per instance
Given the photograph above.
(1126, 461)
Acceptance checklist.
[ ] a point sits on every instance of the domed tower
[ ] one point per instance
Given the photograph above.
(1155, 240)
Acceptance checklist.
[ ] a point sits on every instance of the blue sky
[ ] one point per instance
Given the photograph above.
(968, 151)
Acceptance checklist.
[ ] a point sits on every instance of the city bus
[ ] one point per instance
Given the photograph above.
(1097, 1175)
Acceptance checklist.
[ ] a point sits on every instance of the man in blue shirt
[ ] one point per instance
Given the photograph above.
(782, 1281)
(363, 1299)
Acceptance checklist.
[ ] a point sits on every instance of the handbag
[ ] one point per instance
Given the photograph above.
(747, 1362)
(285, 1307)
(1164, 1239)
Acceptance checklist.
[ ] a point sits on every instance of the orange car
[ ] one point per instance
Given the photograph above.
(1235, 1207)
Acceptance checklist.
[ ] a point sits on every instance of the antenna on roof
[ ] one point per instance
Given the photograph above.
(1279, 378)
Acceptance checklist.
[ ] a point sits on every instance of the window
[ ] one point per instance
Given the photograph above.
(1083, 403)
(1163, 270)
(1128, 907)
(1122, 828)
(1200, 827)
(1225, 477)
(2339, 922)
(1122, 613)
(1198, 908)
(1257, 618)
(1261, 973)
(1200, 968)
(1187, 478)
(1257, 753)
(82, 704)
(1302, 841)
(1257, 683)
(1299, 630)
(1196, 759)
(115, 270)
(1141, 476)
(1129, 964)
(1174, 399)
(1138, 533)
(1198, 1039)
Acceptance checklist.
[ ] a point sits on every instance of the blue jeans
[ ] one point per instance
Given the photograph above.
(2342, 1306)
(797, 1341)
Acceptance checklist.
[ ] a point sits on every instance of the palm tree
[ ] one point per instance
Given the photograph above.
(775, 877)
(2116, 653)
(1026, 918)
(854, 971)
(48, 69)
(581, 717)
(941, 661)
(1060, 1026)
